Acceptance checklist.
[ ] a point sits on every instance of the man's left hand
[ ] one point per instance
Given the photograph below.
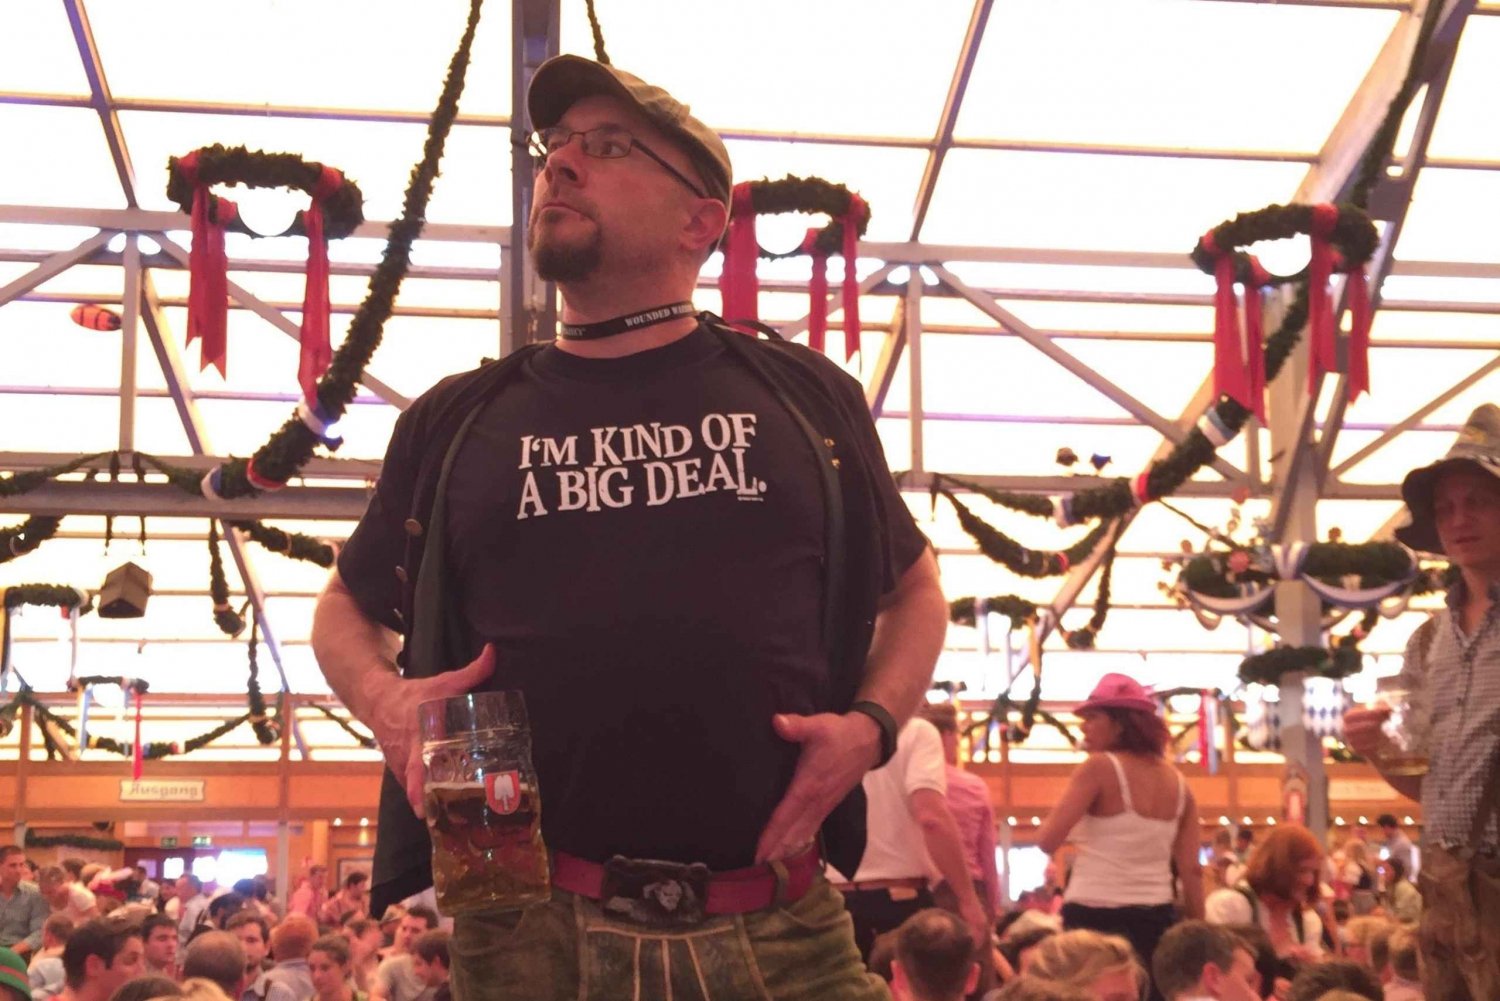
(836, 753)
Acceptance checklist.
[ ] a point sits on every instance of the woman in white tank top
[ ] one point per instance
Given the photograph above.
(1131, 817)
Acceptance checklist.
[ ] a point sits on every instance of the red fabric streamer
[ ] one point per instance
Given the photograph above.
(316, 350)
(136, 756)
(817, 289)
(1255, 338)
(1359, 332)
(208, 270)
(1321, 327)
(851, 280)
(1231, 377)
(737, 282)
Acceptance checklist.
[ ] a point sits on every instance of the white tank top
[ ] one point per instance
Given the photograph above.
(1124, 860)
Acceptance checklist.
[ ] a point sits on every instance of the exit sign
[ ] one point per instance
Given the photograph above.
(202, 841)
(169, 842)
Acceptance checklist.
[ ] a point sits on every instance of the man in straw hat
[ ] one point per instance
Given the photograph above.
(684, 547)
(1452, 670)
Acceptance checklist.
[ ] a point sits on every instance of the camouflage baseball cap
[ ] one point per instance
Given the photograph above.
(563, 80)
(1478, 445)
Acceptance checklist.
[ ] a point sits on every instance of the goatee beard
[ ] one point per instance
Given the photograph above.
(562, 263)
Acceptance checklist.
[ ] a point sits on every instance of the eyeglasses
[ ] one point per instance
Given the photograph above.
(603, 143)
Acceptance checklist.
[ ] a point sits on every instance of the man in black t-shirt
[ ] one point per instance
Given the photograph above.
(683, 546)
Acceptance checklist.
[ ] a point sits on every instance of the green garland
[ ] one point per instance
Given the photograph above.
(343, 210)
(813, 195)
(82, 841)
(18, 540)
(1017, 558)
(291, 544)
(154, 751)
(230, 622)
(292, 445)
(267, 730)
(21, 483)
(1083, 639)
(55, 595)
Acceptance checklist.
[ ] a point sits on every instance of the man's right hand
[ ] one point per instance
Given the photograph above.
(394, 719)
(1362, 730)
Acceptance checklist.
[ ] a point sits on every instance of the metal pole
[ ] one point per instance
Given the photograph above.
(1294, 478)
(531, 313)
(129, 342)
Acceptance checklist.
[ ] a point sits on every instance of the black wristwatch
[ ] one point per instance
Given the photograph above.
(887, 724)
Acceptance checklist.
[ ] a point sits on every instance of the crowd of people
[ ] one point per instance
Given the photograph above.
(84, 932)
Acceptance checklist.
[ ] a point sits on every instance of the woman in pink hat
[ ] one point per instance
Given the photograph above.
(1132, 817)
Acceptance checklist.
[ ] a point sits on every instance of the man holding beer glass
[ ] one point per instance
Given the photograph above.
(1448, 713)
(677, 554)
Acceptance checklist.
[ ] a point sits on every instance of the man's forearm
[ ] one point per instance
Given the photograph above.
(909, 631)
(945, 846)
(356, 655)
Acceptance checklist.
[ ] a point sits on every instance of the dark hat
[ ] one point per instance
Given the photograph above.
(1478, 446)
(563, 80)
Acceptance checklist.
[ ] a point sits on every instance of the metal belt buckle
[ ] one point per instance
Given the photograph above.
(653, 892)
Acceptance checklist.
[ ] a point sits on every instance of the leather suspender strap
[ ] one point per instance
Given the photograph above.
(429, 634)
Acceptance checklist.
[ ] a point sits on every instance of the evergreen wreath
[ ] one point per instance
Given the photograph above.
(1267, 668)
(291, 446)
(811, 195)
(343, 210)
(1354, 236)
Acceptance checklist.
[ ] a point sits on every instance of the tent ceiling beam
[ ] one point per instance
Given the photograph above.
(53, 265)
(100, 99)
(1070, 363)
(942, 140)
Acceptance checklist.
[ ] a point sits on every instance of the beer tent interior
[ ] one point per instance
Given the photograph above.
(1057, 159)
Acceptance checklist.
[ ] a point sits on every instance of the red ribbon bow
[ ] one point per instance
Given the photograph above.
(208, 268)
(316, 350)
(737, 282)
(1321, 326)
(1239, 356)
(1358, 294)
(851, 280)
(817, 292)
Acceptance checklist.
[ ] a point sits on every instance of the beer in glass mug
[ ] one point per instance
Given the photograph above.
(484, 811)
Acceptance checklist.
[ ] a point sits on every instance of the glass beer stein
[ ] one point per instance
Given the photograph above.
(484, 811)
(1403, 745)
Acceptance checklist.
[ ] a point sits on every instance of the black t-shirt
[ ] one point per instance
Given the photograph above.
(642, 539)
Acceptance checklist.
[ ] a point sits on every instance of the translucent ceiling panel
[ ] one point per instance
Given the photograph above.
(56, 352)
(1133, 72)
(1093, 202)
(37, 52)
(1466, 121)
(886, 178)
(56, 156)
(880, 67)
(1415, 326)
(385, 54)
(474, 186)
(1405, 379)
(1441, 197)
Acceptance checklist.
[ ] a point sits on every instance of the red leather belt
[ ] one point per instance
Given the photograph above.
(735, 891)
